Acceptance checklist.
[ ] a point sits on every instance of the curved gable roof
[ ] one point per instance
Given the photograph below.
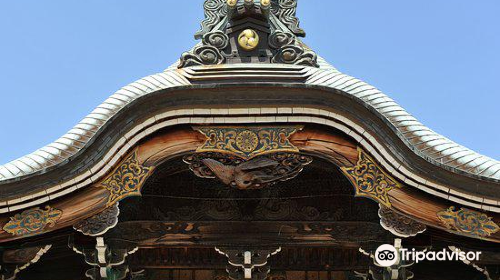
(74, 148)
(428, 144)
(422, 140)
(70, 144)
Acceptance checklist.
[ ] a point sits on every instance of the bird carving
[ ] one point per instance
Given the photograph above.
(253, 174)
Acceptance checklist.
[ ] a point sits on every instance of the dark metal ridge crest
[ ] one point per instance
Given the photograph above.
(249, 31)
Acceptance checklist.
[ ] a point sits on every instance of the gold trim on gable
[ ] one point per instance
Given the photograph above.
(126, 180)
(468, 222)
(370, 180)
(33, 221)
(248, 142)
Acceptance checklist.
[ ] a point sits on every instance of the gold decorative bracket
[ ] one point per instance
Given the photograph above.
(126, 180)
(248, 142)
(370, 180)
(32, 221)
(468, 221)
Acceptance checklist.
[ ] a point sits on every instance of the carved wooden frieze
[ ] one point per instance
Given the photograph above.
(248, 142)
(33, 221)
(265, 210)
(256, 173)
(468, 221)
(100, 223)
(248, 157)
(370, 180)
(398, 224)
(126, 180)
(152, 233)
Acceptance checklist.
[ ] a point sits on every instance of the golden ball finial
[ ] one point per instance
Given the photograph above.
(265, 3)
(248, 40)
(232, 3)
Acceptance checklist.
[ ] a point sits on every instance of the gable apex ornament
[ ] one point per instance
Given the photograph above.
(247, 142)
(249, 31)
(248, 158)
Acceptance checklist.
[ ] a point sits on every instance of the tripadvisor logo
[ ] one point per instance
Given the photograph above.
(387, 255)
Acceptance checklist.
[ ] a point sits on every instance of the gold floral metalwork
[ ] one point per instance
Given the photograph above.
(248, 39)
(468, 222)
(248, 142)
(370, 180)
(126, 180)
(33, 221)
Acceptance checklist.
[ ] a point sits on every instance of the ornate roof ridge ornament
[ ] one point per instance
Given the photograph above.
(249, 31)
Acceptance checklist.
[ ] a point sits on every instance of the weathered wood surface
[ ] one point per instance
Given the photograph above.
(313, 140)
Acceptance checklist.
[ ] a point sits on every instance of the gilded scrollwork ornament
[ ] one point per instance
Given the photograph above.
(126, 180)
(468, 221)
(370, 180)
(248, 142)
(33, 221)
(248, 157)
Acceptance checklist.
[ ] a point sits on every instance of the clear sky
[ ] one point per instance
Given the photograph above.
(60, 58)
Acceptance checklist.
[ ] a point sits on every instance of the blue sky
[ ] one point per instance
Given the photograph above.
(61, 58)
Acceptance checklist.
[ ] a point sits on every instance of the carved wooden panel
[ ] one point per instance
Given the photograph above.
(256, 173)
